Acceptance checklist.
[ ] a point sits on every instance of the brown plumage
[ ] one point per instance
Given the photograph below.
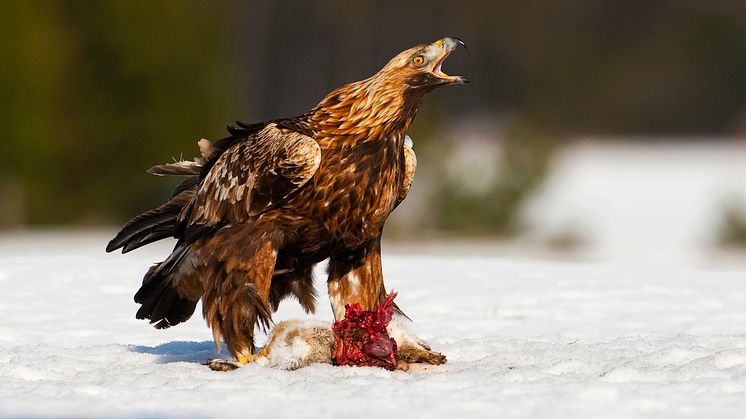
(261, 207)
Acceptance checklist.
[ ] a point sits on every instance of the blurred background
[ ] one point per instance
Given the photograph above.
(605, 129)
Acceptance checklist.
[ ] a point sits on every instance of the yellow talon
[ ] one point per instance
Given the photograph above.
(245, 359)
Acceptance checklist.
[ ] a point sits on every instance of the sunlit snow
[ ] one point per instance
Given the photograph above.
(524, 338)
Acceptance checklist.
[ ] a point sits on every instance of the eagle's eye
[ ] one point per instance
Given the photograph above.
(418, 60)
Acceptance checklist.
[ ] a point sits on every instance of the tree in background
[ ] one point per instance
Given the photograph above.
(95, 92)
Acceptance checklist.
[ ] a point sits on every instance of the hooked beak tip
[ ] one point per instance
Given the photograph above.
(452, 42)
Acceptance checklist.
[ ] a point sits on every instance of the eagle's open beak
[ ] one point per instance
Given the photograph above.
(446, 47)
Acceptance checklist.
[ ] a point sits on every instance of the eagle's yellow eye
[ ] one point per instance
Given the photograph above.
(418, 60)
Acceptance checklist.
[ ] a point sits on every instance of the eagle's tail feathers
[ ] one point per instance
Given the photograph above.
(179, 168)
(160, 300)
(186, 167)
(154, 225)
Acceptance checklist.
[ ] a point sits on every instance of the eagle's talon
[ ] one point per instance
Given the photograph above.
(244, 358)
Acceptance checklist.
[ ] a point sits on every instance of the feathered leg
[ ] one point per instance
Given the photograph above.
(297, 283)
(357, 277)
(239, 270)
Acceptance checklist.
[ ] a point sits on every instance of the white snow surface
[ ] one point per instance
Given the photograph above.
(524, 338)
(641, 201)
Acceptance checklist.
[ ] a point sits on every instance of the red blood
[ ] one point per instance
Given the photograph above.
(361, 337)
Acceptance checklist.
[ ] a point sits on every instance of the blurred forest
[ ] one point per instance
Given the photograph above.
(95, 92)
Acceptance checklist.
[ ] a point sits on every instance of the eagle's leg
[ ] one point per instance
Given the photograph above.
(357, 277)
(296, 282)
(237, 284)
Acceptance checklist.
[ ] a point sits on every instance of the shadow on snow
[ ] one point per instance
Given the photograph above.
(181, 351)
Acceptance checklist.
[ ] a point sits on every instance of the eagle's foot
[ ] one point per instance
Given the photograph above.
(410, 348)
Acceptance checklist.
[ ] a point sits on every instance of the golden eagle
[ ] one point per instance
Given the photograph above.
(261, 207)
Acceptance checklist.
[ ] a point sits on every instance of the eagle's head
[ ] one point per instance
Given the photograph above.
(389, 99)
(421, 67)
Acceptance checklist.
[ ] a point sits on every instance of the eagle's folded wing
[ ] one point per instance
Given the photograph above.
(410, 165)
(253, 176)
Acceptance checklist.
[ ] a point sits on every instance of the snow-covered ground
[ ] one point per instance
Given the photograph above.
(524, 338)
(640, 201)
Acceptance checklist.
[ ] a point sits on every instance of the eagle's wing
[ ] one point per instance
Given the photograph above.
(410, 165)
(253, 176)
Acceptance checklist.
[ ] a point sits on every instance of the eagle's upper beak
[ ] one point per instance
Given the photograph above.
(444, 47)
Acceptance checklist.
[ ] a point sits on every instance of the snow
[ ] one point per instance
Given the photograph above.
(641, 200)
(524, 338)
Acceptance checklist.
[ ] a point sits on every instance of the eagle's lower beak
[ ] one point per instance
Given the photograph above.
(446, 47)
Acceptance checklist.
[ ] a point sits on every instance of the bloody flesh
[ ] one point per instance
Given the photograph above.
(361, 338)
